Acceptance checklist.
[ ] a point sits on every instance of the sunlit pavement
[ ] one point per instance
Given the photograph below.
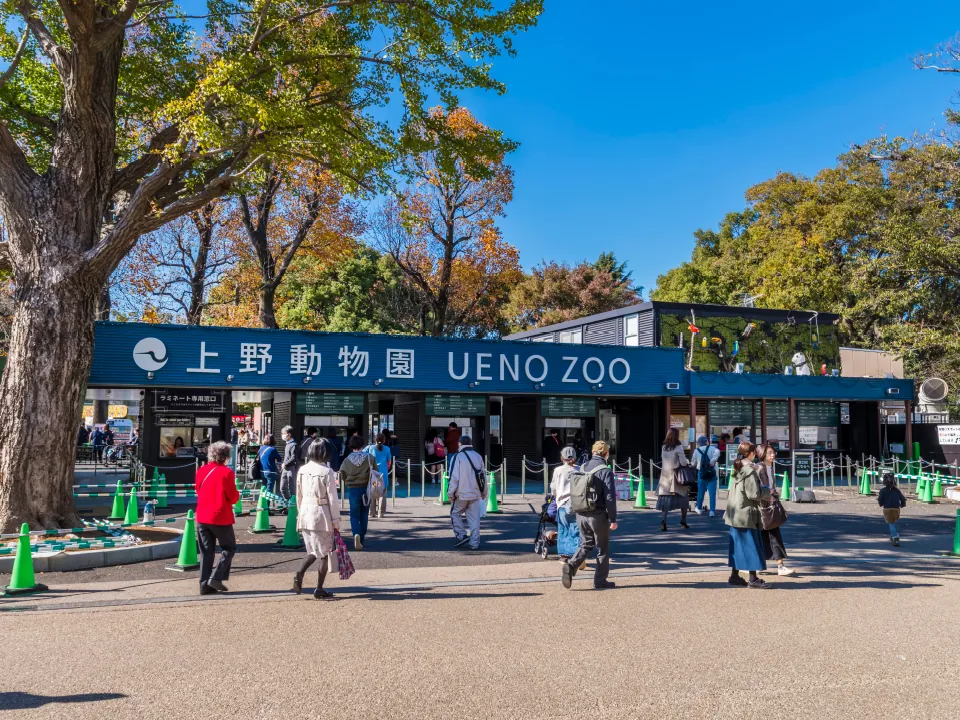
(864, 631)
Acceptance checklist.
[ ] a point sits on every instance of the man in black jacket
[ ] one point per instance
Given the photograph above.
(595, 526)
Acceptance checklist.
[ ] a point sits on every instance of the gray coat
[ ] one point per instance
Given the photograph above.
(671, 460)
(745, 498)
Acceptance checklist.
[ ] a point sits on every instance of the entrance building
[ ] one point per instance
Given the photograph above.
(510, 396)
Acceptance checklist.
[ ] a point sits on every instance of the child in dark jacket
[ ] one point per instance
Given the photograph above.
(891, 500)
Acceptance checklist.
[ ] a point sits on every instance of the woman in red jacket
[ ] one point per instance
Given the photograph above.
(216, 495)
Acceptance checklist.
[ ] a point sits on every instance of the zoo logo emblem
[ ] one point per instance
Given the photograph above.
(150, 354)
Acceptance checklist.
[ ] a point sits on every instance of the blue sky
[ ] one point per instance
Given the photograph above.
(641, 122)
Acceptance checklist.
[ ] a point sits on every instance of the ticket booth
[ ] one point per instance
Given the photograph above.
(335, 415)
(572, 420)
(469, 412)
(180, 425)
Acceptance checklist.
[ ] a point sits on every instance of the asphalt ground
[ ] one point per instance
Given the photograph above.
(414, 534)
(852, 640)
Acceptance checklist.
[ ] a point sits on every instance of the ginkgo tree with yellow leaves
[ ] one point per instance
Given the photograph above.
(118, 116)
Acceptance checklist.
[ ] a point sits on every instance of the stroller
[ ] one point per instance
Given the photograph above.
(546, 538)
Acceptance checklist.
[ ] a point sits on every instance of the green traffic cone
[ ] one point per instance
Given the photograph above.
(785, 487)
(641, 493)
(938, 487)
(132, 515)
(444, 484)
(927, 492)
(117, 512)
(187, 560)
(162, 485)
(865, 483)
(921, 483)
(493, 507)
(262, 523)
(156, 473)
(291, 536)
(22, 581)
(956, 536)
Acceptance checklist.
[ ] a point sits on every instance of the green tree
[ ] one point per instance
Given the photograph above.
(117, 116)
(554, 292)
(363, 292)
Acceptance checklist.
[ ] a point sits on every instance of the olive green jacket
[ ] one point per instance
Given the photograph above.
(744, 499)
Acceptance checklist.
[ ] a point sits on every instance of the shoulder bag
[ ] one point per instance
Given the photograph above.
(773, 515)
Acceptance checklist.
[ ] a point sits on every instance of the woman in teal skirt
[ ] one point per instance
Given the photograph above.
(743, 516)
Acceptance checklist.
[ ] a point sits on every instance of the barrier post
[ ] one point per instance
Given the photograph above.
(492, 505)
(393, 480)
(546, 476)
(630, 478)
(849, 471)
(956, 536)
(423, 482)
(408, 479)
(523, 478)
(22, 579)
(503, 477)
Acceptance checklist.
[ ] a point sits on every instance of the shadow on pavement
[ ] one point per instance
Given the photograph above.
(29, 701)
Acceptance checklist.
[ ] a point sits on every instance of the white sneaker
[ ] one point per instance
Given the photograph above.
(697, 510)
(357, 545)
(785, 571)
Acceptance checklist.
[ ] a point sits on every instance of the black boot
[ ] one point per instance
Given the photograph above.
(298, 576)
(320, 593)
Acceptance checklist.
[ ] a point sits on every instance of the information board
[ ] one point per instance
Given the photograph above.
(948, 434)
(821, 414)
(321, 403)
(807, 434)
(731, 412)
(778, 413)
(173, 420)
(565, 407)
(188, 401)
(802, 468)
(456, 405)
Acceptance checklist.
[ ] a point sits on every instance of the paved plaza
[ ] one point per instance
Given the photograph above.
(422, 630)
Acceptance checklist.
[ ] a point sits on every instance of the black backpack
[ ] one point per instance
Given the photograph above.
(707, 469)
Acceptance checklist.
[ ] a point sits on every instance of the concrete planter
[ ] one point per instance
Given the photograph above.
(103, 557)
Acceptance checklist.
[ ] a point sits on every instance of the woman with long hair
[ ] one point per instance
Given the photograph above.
(671, 495)
(744, 499)
(318, 514)
(773, 546)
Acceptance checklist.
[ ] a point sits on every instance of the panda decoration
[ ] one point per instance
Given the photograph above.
(800, 365)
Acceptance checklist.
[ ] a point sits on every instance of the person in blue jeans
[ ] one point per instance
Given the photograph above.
(354, 475)
(268, 457)
(384, 459)
(891, 500)
(705, 459)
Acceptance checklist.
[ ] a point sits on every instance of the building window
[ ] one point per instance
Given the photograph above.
(542, 338)
(572, 337)
(631, 330)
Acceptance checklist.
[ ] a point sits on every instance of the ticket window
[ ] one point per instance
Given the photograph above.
(189, 440)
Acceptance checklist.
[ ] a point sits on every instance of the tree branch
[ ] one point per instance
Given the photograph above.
(12, 68)
(40, 31)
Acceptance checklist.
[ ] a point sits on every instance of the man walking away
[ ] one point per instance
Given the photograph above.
(595, 526)
(288, 471)
(307, 442)
(467, 490)
(705, 459)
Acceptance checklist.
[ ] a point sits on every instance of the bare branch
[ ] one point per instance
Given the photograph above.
(12, 68)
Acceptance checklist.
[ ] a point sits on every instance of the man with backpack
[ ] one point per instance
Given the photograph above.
(593, 497)
(705, 459)
(468, 493)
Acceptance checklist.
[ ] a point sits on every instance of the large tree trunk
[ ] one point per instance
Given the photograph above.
(268, 318)
(41, 399)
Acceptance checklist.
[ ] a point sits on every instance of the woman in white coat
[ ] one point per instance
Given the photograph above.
(318, 515)
(671, 495)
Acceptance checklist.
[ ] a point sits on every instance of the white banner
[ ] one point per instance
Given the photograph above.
(949, 434)
(807, 434)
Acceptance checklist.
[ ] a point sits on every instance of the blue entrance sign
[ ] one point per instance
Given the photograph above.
(141, 355)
